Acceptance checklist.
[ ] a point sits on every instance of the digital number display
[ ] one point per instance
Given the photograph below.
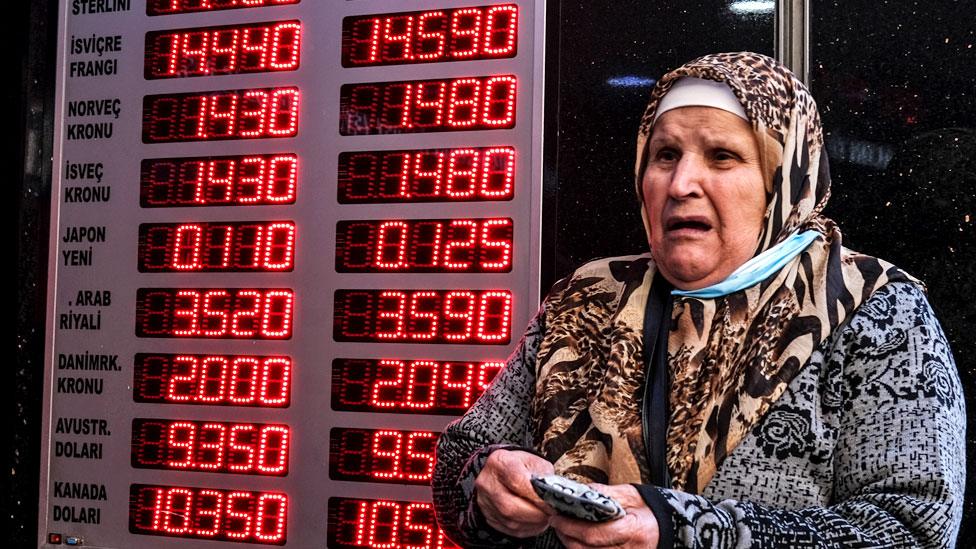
(267, 246)
(423, 316)
(437, 175)
(216, 447)
(229, 49)
(250, 180)
(425, 246)
(223, 313)
(370, 455)
(168, 7)
(212, 380)
(475, 103)
(409, 386)
(220, 115)
(384, 524)
(207, 513)
(484, 32)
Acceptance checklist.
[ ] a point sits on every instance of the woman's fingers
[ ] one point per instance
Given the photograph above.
(637, 529)
(505, 496)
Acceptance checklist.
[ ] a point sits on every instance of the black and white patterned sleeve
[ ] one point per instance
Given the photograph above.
(497, 420)
(899, 461)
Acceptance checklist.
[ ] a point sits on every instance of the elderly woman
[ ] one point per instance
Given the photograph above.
(750, 382)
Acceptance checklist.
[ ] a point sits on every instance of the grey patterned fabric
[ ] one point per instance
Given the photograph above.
(864, 449)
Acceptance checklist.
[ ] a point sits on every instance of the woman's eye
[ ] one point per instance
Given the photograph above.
(666, 155)
(723, 155)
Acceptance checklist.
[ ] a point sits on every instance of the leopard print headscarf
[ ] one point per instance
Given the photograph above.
(730, 357)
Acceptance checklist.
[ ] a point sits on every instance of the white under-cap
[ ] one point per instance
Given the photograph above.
(689, 91)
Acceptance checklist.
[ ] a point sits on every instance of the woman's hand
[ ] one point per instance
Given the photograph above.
(638, 529)
(505, 494)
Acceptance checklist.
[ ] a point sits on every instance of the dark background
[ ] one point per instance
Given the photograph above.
(896, 85)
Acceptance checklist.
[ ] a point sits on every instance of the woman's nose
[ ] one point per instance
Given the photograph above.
(687, 177)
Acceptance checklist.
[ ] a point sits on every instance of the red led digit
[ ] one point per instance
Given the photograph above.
(462, 384)
(228, 114)
(464, 174)
(217, 313)
(181, 384)
(428, 238)
(387, 398)
(496, 244)
(501, 31)
(383, 531)
(212, 439)
(169, 7)
(429, 104)
(177, 511)
(270, 513)
(390, 318)
(431, 27)
(275, 382)
(277, 313)
(495, 316)
(423, 315)
(419, 456)
(386, 453)
(465, 33)
(214, 313)
(186, 251)
(486, 373)
(212, 384)
(285, 46)
(391, 246)
(397, 37)
(240, 448)
(239, 517)
(459, 312)
(358, 523)
(181, 441)
(421, 379)
(499, 173)
(459, 247)
(499, 102)
(471, 103)
(427, 173)
(273, 449)
(224, 52)
(243, 380)
(186, 313)
(465, 98)
(208, 513)
(283, 114)
(421, 526)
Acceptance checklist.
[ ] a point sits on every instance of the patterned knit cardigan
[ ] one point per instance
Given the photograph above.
(866, 448)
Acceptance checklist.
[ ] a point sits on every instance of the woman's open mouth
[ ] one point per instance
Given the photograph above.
(690, 225)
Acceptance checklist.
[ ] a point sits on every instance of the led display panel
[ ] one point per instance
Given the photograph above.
(291, 241)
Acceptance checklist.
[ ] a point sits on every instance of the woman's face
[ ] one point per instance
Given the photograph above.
(703, 195)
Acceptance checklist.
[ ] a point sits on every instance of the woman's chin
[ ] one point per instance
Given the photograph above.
(690, 274)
